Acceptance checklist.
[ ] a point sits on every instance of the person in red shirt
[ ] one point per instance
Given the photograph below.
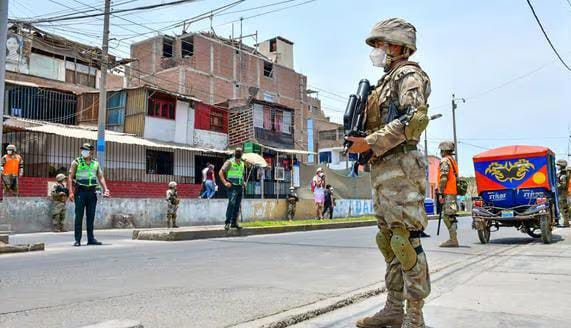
(209, 183)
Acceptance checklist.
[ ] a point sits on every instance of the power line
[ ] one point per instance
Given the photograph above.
(547, 36)
(56, 19)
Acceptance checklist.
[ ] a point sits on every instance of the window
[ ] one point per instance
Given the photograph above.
(168, 47)
(287, 122)
(278, 120)
(116, 108)
(274, 45)
(258, 116)
(162, 106)
(268, 69)
(187, 47)
(269, 97)
(160, 162)
(267, 118)
(216, 121)
(325, 157)
(75, 77)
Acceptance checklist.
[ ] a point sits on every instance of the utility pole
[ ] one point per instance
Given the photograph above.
(103, 88)
(3, 35)
(454, 106)
(427, 192)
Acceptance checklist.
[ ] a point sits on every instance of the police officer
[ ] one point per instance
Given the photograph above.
(59, 194)
(447, 177)
(398, 171)
(12, 167)
(85, 175)
(172, 205)
(292, 200)
(562, 190)
(232, 176)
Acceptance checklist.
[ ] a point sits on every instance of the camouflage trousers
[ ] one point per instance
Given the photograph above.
(171, 215)
(398, 197)
(58, 215)
(564, 208)
(10, 184)
(449, 210)
(290, 211)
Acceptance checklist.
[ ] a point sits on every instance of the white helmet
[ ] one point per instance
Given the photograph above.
(172, 184)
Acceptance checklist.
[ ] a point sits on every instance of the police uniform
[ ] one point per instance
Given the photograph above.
(172, 205)
(562, 190)
(59, 194)
(12, 168)
(292, 200)
(447, 177)
(398, 172)
(85, 196)
(234, 170)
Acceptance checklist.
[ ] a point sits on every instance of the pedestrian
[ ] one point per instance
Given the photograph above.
(172, 205)
(562, 190)
(85, 175)
(232, 176)
(12, 167)
(292, 200)
(398, 171)
(318, 189)
(203, 186)
(59, 194)
(329, 201)
(209, 183)
(448, 175)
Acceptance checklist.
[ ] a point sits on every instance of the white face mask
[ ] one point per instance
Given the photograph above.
(85, 153)
(10, 152)
(378, 57)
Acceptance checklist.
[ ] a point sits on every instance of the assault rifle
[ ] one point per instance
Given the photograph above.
(439, 209)
(59, 189)
(354, 121)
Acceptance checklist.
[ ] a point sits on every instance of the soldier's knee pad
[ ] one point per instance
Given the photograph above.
(384, 244)
(403, 249)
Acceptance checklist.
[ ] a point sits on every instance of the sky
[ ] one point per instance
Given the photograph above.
(490, 52)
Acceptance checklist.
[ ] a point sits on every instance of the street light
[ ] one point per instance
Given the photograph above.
(427, 192)
(454, 106)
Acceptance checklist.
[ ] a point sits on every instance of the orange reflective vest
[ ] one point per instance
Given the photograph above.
(12, 164)
(450, 188)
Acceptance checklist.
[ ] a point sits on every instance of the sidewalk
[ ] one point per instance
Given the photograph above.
(522, 286)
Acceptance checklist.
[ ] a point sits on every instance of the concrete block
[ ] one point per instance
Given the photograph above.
(116, 324)
(37, 247)
(4, 238)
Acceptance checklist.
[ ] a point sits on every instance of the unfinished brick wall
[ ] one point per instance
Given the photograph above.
(241, 123)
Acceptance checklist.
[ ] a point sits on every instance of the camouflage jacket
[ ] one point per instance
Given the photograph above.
(172, 197)
(406, 85)
(59, 193)
(563, 181)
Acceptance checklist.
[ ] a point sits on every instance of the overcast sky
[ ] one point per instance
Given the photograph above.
(490, 52)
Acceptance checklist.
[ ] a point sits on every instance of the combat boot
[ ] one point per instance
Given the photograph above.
(390, 316)
(565, 222)
(413, 317)
(453, 241)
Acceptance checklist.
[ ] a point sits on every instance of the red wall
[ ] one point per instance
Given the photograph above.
(37, 187)
(202, 117)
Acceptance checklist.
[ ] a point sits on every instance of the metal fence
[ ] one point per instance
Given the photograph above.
(46, 155)
(40, 104)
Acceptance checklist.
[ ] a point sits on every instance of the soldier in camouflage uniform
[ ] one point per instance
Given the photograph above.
(59, 194)
(447, 176)
(292, 200)
(562, 190)
(172, 205)
(398, 172)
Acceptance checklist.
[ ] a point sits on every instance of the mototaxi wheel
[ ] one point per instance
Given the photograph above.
(545, 224)
(484, 235)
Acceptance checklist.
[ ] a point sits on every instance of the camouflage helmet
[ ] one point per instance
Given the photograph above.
(561, 162)
(60, 177)
(172, 184)
(292, 188)
(446, 145)
(11, 147)
(395, 31)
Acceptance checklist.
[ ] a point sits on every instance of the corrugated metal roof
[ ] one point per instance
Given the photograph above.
(289, 151)
(79, 132)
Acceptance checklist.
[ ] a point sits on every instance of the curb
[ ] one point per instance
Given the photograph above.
(219, 232)
(116, 324)
(307, 312)
(6, 248)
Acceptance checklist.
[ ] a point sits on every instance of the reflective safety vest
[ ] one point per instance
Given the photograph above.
(86, 175)
(451, 186)
(235, 173)
(12, 164)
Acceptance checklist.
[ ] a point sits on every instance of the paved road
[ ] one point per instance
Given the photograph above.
(206, 283)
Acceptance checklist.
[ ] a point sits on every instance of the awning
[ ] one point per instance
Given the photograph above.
(289, 151)
(89, 133)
